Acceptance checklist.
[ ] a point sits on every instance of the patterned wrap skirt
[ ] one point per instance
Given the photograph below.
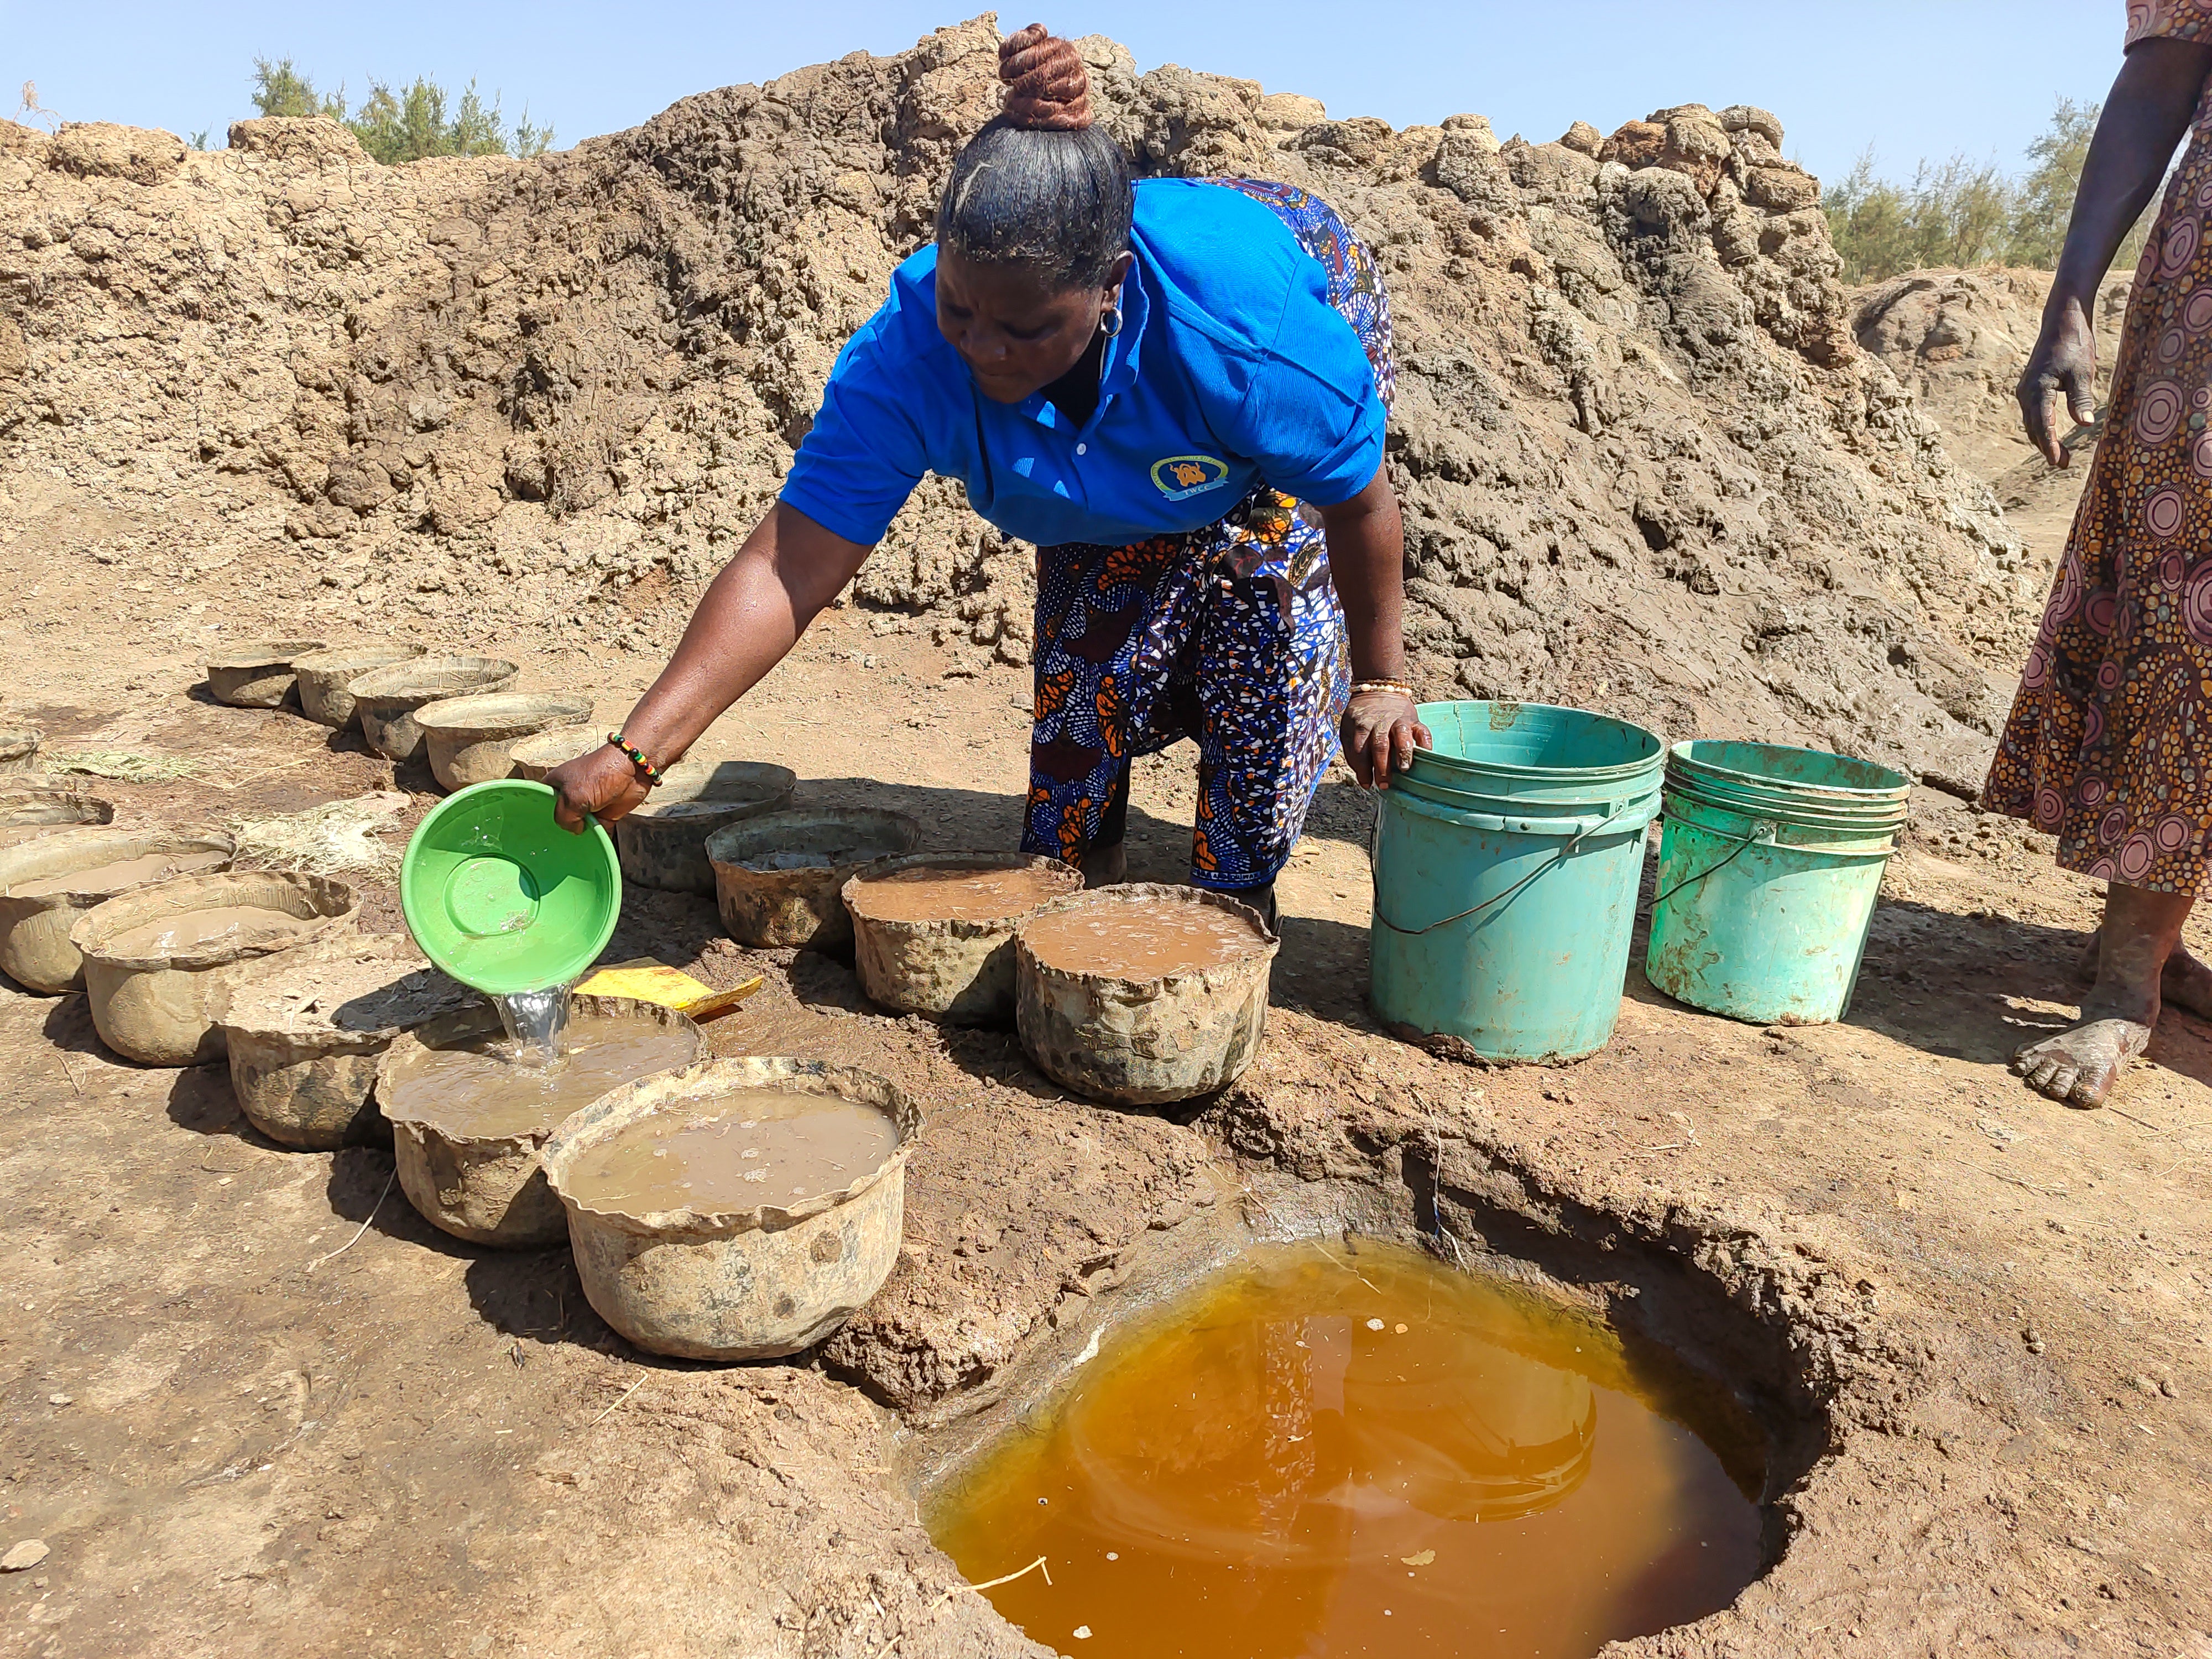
(2109, 744)
(1230, 635)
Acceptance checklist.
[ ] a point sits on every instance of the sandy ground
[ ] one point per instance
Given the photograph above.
(252, 1403)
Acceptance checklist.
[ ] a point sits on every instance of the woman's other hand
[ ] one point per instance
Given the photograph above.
(2063, 364)
(1382, 729)
(602, 785)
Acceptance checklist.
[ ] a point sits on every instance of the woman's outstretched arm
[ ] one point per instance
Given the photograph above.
(2145, 115)
(749, 619)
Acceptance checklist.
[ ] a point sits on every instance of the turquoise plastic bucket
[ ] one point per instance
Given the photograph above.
(1767, 880)
(1505, 878)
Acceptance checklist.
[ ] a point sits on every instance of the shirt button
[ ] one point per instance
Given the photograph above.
(1083, 449)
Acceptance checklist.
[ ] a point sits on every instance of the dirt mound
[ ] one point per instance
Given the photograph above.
(1958, 340)
(1645, 465)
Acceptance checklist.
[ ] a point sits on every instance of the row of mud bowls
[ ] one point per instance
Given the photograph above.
(460, 713)
(185, 961)
(462, 716)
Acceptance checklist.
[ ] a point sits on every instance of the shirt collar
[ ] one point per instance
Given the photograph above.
(1119, 371)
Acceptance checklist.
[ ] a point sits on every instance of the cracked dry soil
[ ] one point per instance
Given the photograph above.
(1972, 1322)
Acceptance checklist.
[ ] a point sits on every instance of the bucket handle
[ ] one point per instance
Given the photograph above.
(1373, 845)
(1764, 832)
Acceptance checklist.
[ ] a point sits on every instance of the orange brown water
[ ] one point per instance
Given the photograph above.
(931, 893)
(15, 835)
(1140, 938)
(126, 872)
(243, 924)
(750, 1146)
(1317, 1453)
(479, 1089)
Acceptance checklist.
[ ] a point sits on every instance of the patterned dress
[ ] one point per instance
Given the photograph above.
(2109, 745)
(1231, 635)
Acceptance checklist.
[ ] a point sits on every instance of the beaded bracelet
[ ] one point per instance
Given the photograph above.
(636, 756)
(1400, 687)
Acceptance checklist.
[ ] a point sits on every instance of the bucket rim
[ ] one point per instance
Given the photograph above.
(1852, 838)
(1679, 756)
(1629, 817)
(1841, 814)
(1602, 801)
(1431, 712)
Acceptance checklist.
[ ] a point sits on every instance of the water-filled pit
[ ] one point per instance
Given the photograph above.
(1348, 1447)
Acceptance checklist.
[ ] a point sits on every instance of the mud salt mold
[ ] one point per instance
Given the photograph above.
(933, 933)
(306, 1030)
(715, 1275)
(47, 884)
(780, 878)
(535, 756)
(157, 960)
(256, 673)
(663, 844)
(323, 676)
(26, 815)
(469, 1119)
(386, 699)
(1144, 994)
(19, 748)
(471, 739)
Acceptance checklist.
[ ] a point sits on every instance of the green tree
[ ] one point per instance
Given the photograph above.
(1870, 221)
(280, 89)
(413, 125)
(1967, 214)
(2045, 198)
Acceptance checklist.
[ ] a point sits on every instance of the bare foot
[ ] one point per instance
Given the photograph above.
(2080, 1066)
(2184, 983)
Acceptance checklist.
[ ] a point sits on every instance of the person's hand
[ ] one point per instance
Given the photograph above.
(1382, 729)
(601, 784)
(2063, 364)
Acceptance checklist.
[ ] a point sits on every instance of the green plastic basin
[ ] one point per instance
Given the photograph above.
(502, 897)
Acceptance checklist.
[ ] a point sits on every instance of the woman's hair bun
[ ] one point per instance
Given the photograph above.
(1047, 88)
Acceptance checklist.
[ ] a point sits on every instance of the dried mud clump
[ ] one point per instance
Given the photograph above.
(1645, 463)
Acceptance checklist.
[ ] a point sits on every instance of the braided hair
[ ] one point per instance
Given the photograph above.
(1042, 184)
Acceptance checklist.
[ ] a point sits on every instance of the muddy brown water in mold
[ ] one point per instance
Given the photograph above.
(1140, 938)
(1312, 1452)
(485, 1086)
(129, 872)
(751, 1146)
(920, 893)
(243, 924)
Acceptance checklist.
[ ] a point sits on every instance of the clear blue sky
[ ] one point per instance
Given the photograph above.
(1913, 78)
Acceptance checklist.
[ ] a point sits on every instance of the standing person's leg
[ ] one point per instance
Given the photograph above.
(1107, 619)
(2136, 947)
(1273, 678)
(1106, 860)
(2185, 984)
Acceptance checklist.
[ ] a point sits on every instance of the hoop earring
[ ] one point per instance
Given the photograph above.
(1109, 321)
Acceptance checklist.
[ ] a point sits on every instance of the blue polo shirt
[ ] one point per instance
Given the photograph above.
(1231, 368)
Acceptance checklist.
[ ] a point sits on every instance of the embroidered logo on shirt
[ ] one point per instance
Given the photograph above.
(1179, 476)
